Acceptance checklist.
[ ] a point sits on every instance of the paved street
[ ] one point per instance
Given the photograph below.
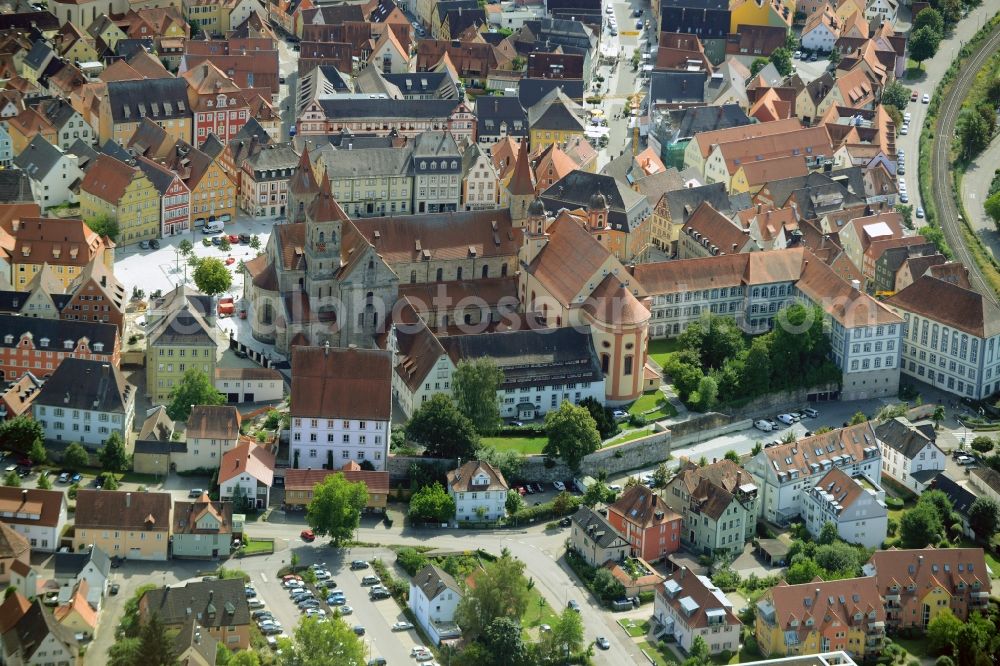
(975, 188)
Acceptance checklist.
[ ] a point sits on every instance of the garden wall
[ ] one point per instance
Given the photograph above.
(612, 460)
(774, 402)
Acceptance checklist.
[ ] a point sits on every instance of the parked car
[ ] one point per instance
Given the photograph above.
(559, 485)
(115, 587)
(903, 198)
(359, 630)
(566, 522)
(926, 99)
(797, 55)
(359, 564)
(371, 580)
(259, 615)
(195, 492)
(785, 418)
(620, 414)
(914, 96)
(762, 425)
(307, 536)
(920, 212)
(306, 604)
(255, 604)
(345, 610)
(965, 460)
(402, 626)
(154, 244)
(63, 478)
(573, 605)
(603, 643)
(144, 245)
(810, 412)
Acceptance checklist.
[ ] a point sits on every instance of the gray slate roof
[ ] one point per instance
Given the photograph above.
(38, 158)
(71, 564)
(375, 162)
(15, 186)
(58, 330)
(603, 533)
(158, 99)
(575, 189)
(28, 634)
(530, 91)
(87, 385)
(423, 83)
(493, 110)
(900, 435)
(433, 581)
(675, 86)
(214, 603)
(379, 108)
(694, 120)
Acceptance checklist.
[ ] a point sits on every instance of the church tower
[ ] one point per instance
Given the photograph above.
(302, 188)
(324, 219)
(597, 212)
(521, 187)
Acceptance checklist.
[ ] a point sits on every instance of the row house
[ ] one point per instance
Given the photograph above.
(162, 100)
(123, 193)
(407, 118)
(784, 474)
(38, 346)
(250, 63)
(38, 515)
(212, 186)
(96, 295)
(67, 246)
(216, 103)
(341, 407)
(175, 198)
(264, 176)
(856, 506)
(123, 524)
(300, 485)
(219, 606)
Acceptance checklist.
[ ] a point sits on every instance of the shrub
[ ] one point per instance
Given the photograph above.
(726, 580)
(894, 502)
(411, 560)
(647, 596)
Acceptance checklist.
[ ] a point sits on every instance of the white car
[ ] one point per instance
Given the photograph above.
(417, 650)
(810, 412)
(559, 485)
(965, 460)
(904, 130)
(906, 117)
(785, 418)
(423, 656)
(762, 426)
(315, 612)
(402, 626)
(926, 99)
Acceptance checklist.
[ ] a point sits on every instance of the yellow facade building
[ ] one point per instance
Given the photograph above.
(554, 119)
(180, 336)
(123, 524)
(775, 13)
(122, 193)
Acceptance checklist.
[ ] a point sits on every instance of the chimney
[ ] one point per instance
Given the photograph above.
(24, 496)
(128, 499)
(856, 285)
(326, 348)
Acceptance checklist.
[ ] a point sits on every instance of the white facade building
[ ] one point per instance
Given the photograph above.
(434, 596)
(479, 491)
(6, 147)
(909, 453)
(341, 407)
(250, 384)
(855, 505)
(952, 337)
(247, 471)
(687, 605)
(39, 515)
(784, 473)
(51, 172)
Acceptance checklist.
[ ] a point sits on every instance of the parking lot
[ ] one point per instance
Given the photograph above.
(377, 617)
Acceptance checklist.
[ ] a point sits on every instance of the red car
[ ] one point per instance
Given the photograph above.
(307, 536)
(914, 95)
(234, 238)
(521, 491)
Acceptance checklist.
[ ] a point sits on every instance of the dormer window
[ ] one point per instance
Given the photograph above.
(8, 339)
(98, 346)
(44, 342)
(209, 103)
(434, 166)
(68, 344)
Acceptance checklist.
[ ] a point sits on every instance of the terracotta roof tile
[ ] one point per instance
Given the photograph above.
(214, 422)
(120, 509)
(341, 383)
(949, 304)
(250, 458)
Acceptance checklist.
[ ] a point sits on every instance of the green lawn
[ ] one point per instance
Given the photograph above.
(660, 350)
(535, 615)
(915, 647)
(255, 546)
(658, 653)
(653, 406)
(629, 436)
(525, 445)
(633, 628)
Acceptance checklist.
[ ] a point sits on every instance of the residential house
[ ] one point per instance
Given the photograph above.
(785, 473)
(37, 639)
(821, 31)
(18, 397)
(175, 198)
(122, 193)
(123, 524)
(718, 504)
(595, 539)
(202, 528)
(882, 11)
(986, 482)
(216, 102)
(434, 597)
(211, 184)
(341, 406)
(856, 506)
(76, 614)
(154, 445)
(709, 19)
(191, 645)
(499, 117)
(14, 547)
(554, 119)
(748, 42)
(403, 117)
(961, 497)
(918, 585)
(805, 619)
(211, 431)
(701, 144)
(811, 143)
(246, 475)
(85, 401)
(437, 167)
(366, 181)
(67, 123)
(708, 233)
(250, 384)
(480, 185)
(650, 526)
(28, 124)
(264, 176)
(688, 606)
(773, 13)
(91, 567)
(53, 172)
(219, 606)
(61, 339)
(67, 246)
(162, 100)
(479, 491)
(96, 295)
(180, 335)
(910, 453)
(300, 483)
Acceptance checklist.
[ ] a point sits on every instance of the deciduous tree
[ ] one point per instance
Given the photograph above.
(931, 18)
(942, 631)
(919, 526)
(102, 225)
(443, 430)
(20, 432)
(992, 208)
(474, 386)
(781, 58)
(984, 518)
(316, 643)
(194, 388)
(335, 509)
(75, 456)
(112, 455)
(924, 44)
(432, 503)
(212, 277)
(974, 134)
(572, 434)
(38, 454)
(501, 590)
(828, 533)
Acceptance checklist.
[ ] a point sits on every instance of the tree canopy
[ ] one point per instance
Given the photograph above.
(924, 44)
(335, 509)
(443, 430)
(984, 518)
(432, 503)
(194, 388)
(896, 94)
(20, 432)
(474, 386)
(501, 590)
(929, 18)
(316, 643)
(113, 456)
(920, 526)
(212, 277)
(572, 434)
(75, 457)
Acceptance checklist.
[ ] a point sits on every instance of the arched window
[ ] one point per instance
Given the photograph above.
(605, 363)
(628, 365)
(486, 271)
(413, 277)
(440, 274)
(322, 237)
(458, 273)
